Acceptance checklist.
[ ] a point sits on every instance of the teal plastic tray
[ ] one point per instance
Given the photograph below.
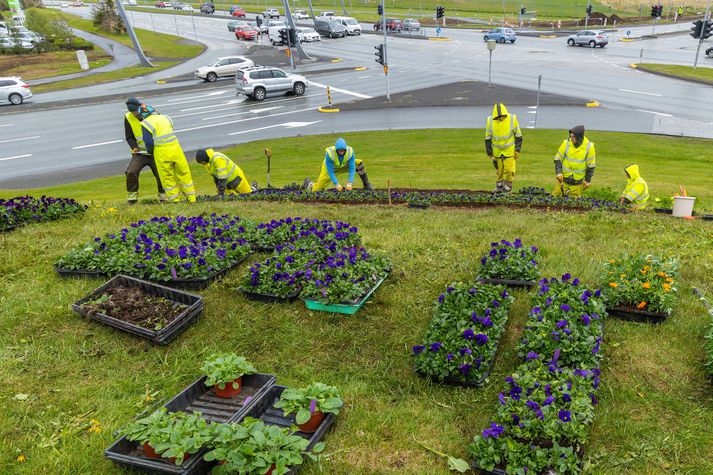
(347, 309)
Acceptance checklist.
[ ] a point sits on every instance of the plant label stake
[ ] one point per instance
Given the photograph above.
(388, 184)
(268, 154)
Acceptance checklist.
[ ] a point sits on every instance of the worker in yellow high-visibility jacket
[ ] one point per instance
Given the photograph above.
(574, 164)
(228, 177)
(171, 163)
(503, 142)
(140, 158)
(636, 192)
(338, 158)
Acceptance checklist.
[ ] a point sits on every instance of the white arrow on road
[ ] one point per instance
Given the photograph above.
(232, 101)
(252, 111)
(287, 125)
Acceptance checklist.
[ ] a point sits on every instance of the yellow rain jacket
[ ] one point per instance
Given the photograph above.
(637, 190)
(502, 137)
(226, 174)
(576, 164)
(136, 128)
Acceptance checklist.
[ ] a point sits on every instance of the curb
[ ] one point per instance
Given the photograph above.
(337, 60)
(438, 39)
(360, 68)
(548, 36)
(627, 40)
(672, 76)
(593, 104)
(328, 109)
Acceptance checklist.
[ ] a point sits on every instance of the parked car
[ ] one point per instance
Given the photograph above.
(591, 38)
(308, 35)
(162, 4)
(232, 25)
(23, 34)
(329, 28)
(350, 25)
(300, 15)
(271, 13)
(392, 24)
(8, 42)
(709, 52)
(130, 3)
(326, 14)
(223, 67)
(237, 11)
(261, 81)
(78, 3)
(187, 8)
(14, 90)
(246, 33)
(208, 8)
(501, 35)
(411, 24)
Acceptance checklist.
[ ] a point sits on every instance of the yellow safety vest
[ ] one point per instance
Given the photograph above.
(503, 134)
(161, 128)
(336, 159)
(637, 190)
(222, 167)
(136, 127)
(576, 160)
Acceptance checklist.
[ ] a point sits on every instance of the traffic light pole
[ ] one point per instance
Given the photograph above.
(386, 61)
(586, 18)
(700, 40)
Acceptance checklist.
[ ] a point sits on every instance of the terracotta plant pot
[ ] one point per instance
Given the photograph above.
(229, 391)
(312, 424)
(272, 469)
(149, 452)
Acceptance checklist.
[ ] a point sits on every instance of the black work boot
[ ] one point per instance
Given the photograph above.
(365, 181)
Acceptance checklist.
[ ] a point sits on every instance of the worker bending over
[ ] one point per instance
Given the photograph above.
(574, 164)
(503, 142)
(140, 158)
(338, 158)
(228, 177)
(636, 192)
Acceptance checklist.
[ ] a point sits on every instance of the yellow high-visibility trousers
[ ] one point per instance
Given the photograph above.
(506, 173)
(573, 191)
(323, 181)
(174, 172)
(242, 188)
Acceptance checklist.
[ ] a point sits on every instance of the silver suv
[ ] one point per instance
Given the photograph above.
(259, 81)
(591, 38)
(14, 90)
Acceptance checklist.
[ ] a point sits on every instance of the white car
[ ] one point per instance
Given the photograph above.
(64, 5)
(7, 42)
(130, 3)
(308, 35)
(14, 90)
(271, 13)
(350, 24)
(187, 8)
(300, 15)
(223, 67)
(325, 14)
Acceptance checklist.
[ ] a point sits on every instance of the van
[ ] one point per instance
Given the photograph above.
(350, 24)
(329, 28)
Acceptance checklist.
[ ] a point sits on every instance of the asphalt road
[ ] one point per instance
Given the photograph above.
(78, 142)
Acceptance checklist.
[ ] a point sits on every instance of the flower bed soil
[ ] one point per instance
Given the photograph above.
(632, 314)
(514, 284)
(347, 308)
(196, 397)
(145, 302)
(271, 298)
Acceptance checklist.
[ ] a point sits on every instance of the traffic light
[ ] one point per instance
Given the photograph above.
(379, 9)
(258, 21)
(523, 10)
(654, 11)
(707, 29)
(440, 12)
(293, 37)
(284, 36)
(379, 54)
(697, 29)
(589, 9)
(660, 12)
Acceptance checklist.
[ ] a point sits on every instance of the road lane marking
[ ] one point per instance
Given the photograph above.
(287, 125)
(641, 92)
(242, 105)
(653, 112)
(232, 101)
(16, 156)
(363, 77)
(95, 144)
(23, 138)
(251, 111)
(199, 127)
(6, 125)
(343, 91)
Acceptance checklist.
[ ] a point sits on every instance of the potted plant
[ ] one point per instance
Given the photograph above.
(174, 436)
(664, 205)
(253, 447)
(510, 263)
(224, 372)
(309, 404)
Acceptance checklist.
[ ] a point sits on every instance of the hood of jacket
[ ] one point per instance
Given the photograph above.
(632, 172)
(578, 131)
(499, 110)
(341, 144)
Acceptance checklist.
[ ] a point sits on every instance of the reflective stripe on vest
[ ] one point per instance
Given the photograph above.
(221, 171)
(638, 198)
(161, 128)
(136, 129)
(576, 167)
(332, 154)
(498, 141)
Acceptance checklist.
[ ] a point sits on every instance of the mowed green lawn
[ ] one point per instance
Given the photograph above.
(655, 411)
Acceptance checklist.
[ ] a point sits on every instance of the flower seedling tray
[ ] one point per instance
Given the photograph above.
(347, 308)
(163, 336)
(639, 316)
(7, 229)
(663, 210)
(463, 384)
(94, 274)
(417, 206)
(201, 284)
(271, 298)
(514, 284)
(201, 398)
(265, 410)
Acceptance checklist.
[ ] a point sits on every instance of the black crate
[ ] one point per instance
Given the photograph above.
(663, 210)
(201, 284)
(638, 316)
(271, 298)
(265, 410)
(196, 397)
(513, 284)
(418, 206)
(94, 274)
(9, 228)
(162, 336)
(463, 384)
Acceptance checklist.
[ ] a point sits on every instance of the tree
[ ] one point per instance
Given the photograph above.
(105, 17)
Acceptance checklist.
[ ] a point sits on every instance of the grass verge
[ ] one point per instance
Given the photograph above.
(60, 371)
(45, 65)
(702, 75)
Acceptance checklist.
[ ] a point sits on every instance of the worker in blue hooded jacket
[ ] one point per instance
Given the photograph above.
(338, 158)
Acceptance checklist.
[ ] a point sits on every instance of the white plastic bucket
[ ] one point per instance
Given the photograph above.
(683, 206)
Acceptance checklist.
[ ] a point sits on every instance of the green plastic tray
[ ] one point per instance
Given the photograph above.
(347, 309)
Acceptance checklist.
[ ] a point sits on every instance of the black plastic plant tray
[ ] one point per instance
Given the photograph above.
(271, 298)
(261, 248)
(639, 316)
(663, 210)
(515, 284)
(463, 384)
(163, 336)
(417, 206)
(94, 274)
(201, 284)
(265, 410)
(7, 229)
(495, 471)
(201, 398)
(708, 217)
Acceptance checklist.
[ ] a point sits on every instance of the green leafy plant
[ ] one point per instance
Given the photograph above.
(252, 447)
(224, 368)
(172, 435)
(510, 260)
(643, 282)
(419, 201)
(317, 397)
(664, 203)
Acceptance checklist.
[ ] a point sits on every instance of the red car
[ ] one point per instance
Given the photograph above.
(237, 11)
(245, 33)
(160, 4)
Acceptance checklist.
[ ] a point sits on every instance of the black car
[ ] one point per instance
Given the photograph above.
(208, 8)
(329, 28)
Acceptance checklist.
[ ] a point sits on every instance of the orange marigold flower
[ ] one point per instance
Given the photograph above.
(613, 284)
(622, 275)
(643, 271)
(22, 458)
(669, 280)
(661, 274)
(646, 285)
(667, 287)
(641, 305)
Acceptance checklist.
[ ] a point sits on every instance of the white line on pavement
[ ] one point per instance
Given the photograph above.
(288, 125)
(242, 105)
(199, 127)
(653, 112)
(232, 101)
(6, 125)
(641, 92)
(251, 111)
(95, 144)
(343, 91)
(363, 77)
(16, 156)
(23, 138)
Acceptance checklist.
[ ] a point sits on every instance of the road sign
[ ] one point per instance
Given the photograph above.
(491, 45)
(628, 32)
(82, 58)
(438, 31)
